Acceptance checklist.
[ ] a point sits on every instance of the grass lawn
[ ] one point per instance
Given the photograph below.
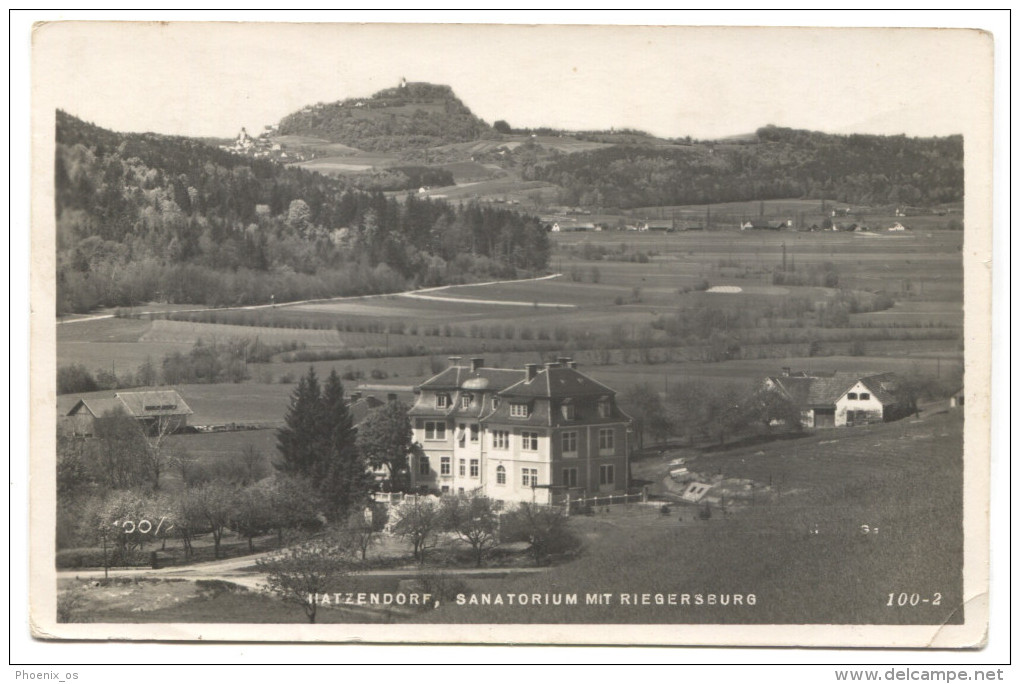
(805, 558)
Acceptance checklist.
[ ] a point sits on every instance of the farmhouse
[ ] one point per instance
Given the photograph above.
(539, 434)
(159, 410)
(842, 399)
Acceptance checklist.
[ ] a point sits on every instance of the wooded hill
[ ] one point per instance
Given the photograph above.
(414, 116)
(778, 163)
(143, 217)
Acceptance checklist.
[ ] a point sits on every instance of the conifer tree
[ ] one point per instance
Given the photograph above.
(300, 440)
(342, 474)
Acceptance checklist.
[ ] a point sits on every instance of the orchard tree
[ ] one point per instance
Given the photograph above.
(418, 520)
(544, 528)
(307, 574)
(474, 520)
(293, 503)
(120, 451)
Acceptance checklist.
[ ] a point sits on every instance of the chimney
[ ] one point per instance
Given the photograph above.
(530, 369)
(355, 396)
(477, 362)
(454, 360)
(551, 364)
(786, 371)
(572, 364)
(391, 397)
(563, 360)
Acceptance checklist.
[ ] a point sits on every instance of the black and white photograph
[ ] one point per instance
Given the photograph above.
(488, 334)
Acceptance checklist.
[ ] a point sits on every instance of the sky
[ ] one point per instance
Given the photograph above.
(210, 79)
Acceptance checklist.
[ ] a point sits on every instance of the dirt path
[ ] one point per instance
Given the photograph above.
(408, 293)
(239, 571)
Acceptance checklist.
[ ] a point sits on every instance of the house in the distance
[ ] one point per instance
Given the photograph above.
(842, 399)
(156, 410)
(540, 434)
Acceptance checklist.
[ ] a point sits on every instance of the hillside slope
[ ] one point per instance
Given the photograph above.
(142, 217)
(415, 115)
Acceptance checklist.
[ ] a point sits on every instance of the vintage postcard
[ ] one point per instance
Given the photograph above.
(510, 334)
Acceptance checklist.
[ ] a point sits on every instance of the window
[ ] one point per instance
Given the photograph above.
(495, 403)
(607, 474)
(568, 442)
(423, 465)
(570, 477)
(607, 440)
(465, 400)
(500, 475)
(474, 432)
(474, 467)
(445, 489)
(865, 396)
(445, 465)
(435, 431)
(442, 400)
(518, 410)
(529, 441)
(461, 435)
(461, 467)
(604, 407)
(851, 395)
(529, 477)
(500, 439)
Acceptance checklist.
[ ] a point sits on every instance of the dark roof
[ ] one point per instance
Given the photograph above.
(556, 381)
(154, 403)
(825, 391)
(457, 377)
(136, 404)
(98, 406)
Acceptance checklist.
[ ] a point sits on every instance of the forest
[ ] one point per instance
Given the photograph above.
(780, 163)
(145, 217)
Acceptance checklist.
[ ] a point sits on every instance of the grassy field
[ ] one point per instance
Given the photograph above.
(806, 557)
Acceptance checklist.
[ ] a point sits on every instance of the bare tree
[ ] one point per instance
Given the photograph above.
(363, 528)
(305, 574)
(418, 521)
(543, 527)
(474, 520)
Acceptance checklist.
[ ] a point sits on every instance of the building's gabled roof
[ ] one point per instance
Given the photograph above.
(823, 392)
(98, 406)
(154, 403)
(883, 386)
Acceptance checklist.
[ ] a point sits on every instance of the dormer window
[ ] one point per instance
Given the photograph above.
(495, 403)
(518, 410)
(442, 401)
(567, 410)
(465, 400)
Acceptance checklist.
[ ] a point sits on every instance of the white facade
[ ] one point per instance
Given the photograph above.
(858, 406)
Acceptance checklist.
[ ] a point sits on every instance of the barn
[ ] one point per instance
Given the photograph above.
(841, 399)
(156, 410)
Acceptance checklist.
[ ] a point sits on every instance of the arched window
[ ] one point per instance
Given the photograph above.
(501, 475)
